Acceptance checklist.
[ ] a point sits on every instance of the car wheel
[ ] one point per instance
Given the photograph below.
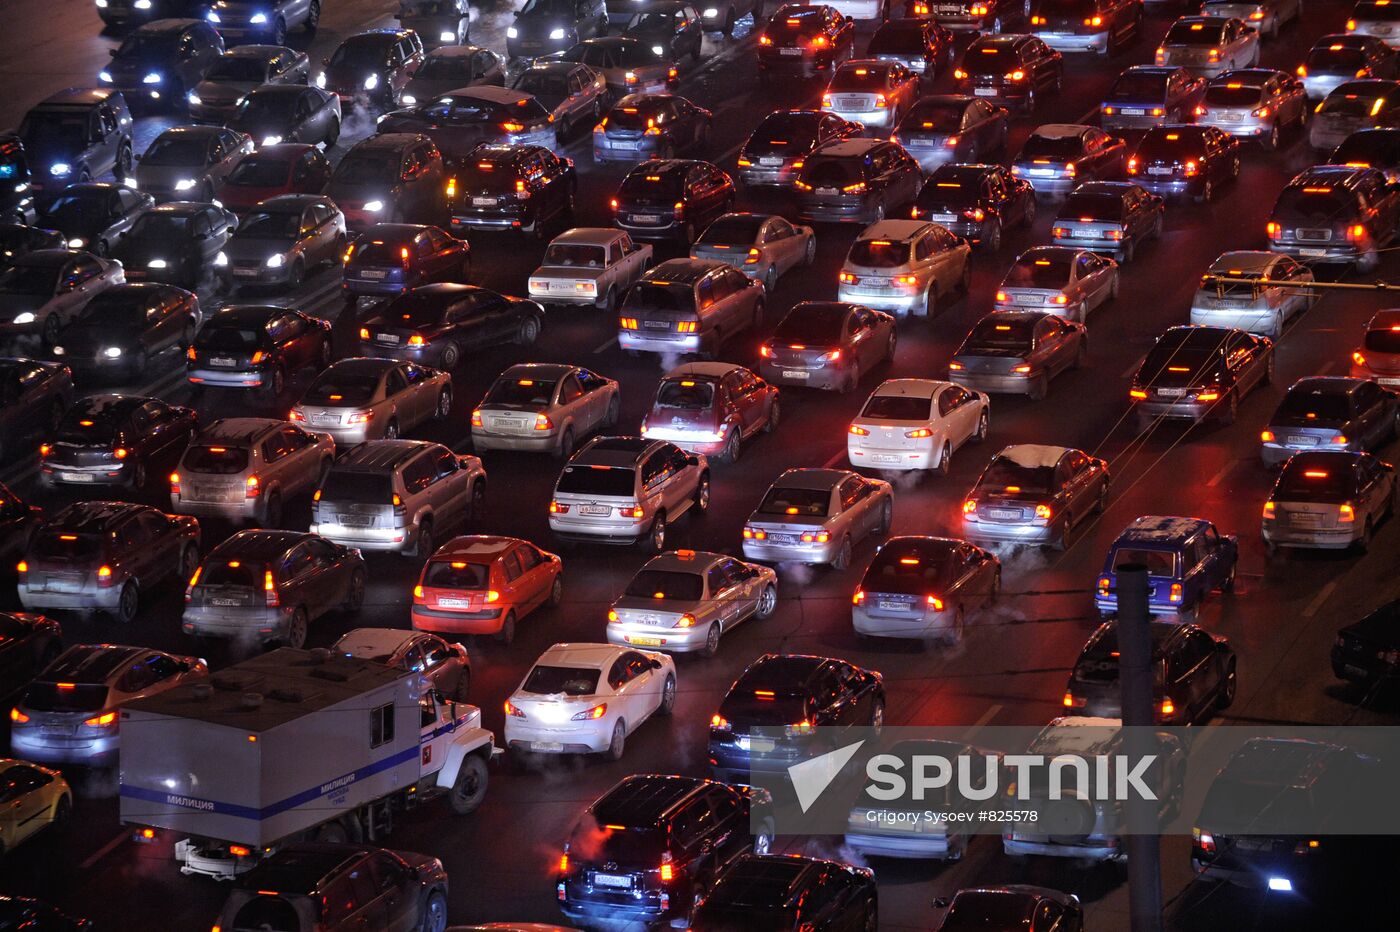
(434, 913)
(62, 811)
(276, 383)
(1276, 328)
(763, 838)
(842, 560)
(296, 629)
(470, 787)
(188, 562)
(1367, 532)
(277, 35)
(775, 414)
(556, 592)
(984, 426)
(618, 744)
(609, 303)
(668, 697)
(51, 329)
(770, 281)
(507, 633)
(444, 405)
(728, 27)
(1231, 408)
(953, 634)
(566, 444)
(313, 16)
(355, 595)
(323, 356)
(529, 331)
(297, 275)
(711, 641)
(1207, 192)
(731, 448)
(945, 461)
(272, 510)
(450, 357)
(128, 602)
(423, 547)
(122, 169)
(610, 418)
(656, 535)
(1039, 388)
(991, 240)
(810, 255)
(702, 494)
(886, 518)
(1227, 689)
(476, 508)
(1028, 215)
(930, 308)
(140, 364)
(767, 602)
(332, 134)
(138, 475)
(852, 379)
(1125, 255)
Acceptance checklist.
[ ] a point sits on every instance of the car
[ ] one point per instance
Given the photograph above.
(18, 240)
(777, 148)
(628, 65)
(871, 832)
(871, 92)
(589, 267)
(288, 113)
(1062, 280)
(976, 202)
(627, 490)
(1058, 156)
(1371, 148)
(689, 306)
(1267, 16)
(372, 66)
(282, 239)
(512, 187)
(1356, 105)
(442, 322)
(326, 881)
(1010, 68)
(449, 67)
(121, 330)
(92, 215)
(544, 407)
(463, 119)
(177, 242)
(44, 291)
(1196, 373)
(711, 408)
(1012, 906)
(35, 797)
(69, 714)
(31, 642)
(1146, 96)
(856, 180)
(444, 665)
(1019, 351)
(76, 134)
(650, 808)
(121, 13)
(112, 439)
(683, 601)
(905, 267)
(390, 178)
(804, 40)
(1277, 290)
(820, 696)
(392, 259)
(362, 398)
(650, 126)
(671, 25)
(827, 344)
(439, 23)
(1258, 103)
(33, 396)
(1373, 18)
(768, 893)
(104, 556)
(924, 587)
(1378, 356)
(545, 26)
(1365, 652)
(1185, 161)
(921, 45)
(916, 424)
(1195, 674)
(1335, 214)
(267, 20)
(1186, 559)
(587, 699)
(1033, 493)
(1337, 58)
(1328, 500)
(485, 584)
(762, 246)
(396, 494)
(1209, 45)
(158, 62)
(646, 202)
(813, 515)
(256, 346)
(1109, 217)
(240, 70)
(574, 94)
(242, 469)
(264, 587)
(16, 199)
(190, 162)
(948, 128)
(286, 168)
(1101, 26)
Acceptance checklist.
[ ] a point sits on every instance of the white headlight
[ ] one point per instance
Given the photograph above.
(446, 36)
(193, 98)
(710, 12)
(371, 82)
(258, 18)
(26, 318)
(657, 50)
(112, 352)
(213, 17)
(102, 4)
(512, 32)
(77, 242)
(374, 207)
(105, 76)
(129, 182)
(408, 100)
(156, 264)
(142, 4)
(151, 78)
(221, 260)
(321, 79)
(59, 351)
(271, 140)
(557, 34)
(60, 168)
(275, 262)
(184, 184)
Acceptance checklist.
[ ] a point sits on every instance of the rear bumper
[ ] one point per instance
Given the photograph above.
(827, 378)
(1117, 122)
(921, 624)
(376, 539)
(1093, 245)
(1008, 533)
(638, 341)
(235, 623)
(899, 303)
(891, 459)
(1327, 252)
(359, 286)
(613, 531)
(230, 378)
(1178, 410)
(542, 442)
(440, 621)
(764, 552)
(673, 640)
(1170, 187)
(28, 744)
(821, 211)
(1313, 539)
(936, 847)
(1075, 42)
(1009, 384)
(245, 509)
(871, 119)
(1050, 849)
(90, 598)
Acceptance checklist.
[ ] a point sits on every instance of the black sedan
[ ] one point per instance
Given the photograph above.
(465, 118)
(115, 440)
(1019, 352)
(277, 113)
(33, 397)
(28, 643)
(779, 893)
(670, 24)
(825, 344)
(441, 322)
(93, 215)
(1014, 906)
(952, 128)
(921, 45)
(1058, 156)
(17, 521)
(1184, 160)
(1196, 373)
(976, 201)
(253, 346)
(1367, 652)
(1196, 674)
(19, 239)
(777, 148)
(124, 328)
(390, 258)
(175, 242)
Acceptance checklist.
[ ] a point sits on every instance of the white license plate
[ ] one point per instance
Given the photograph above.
(1388, 381)
(754, 744)
(222, 361)
(246, 273)
(1155, 170)
(455, 603)
(503, 424)
(372, 274)
(1003, 513)
(644, 218)
(1087, 234)
(356, 521)
(850, 103)
(1305, 519)
(1171, 392)
(325, 420)
(796, 374)
(76, 476)
(792, 52)
(888, 459)
(1294, 440)
(941, 218)
(1312, 252)
(594, 510)
(984, 91)
(1026, 299)
(1042, 171)
(1132, 111)
(387, 337)
(826, 192)
(610, 880)
(770, 162)
(226, 603)
(893, 606)
(556, 746)
(484, 201)
(57, 729)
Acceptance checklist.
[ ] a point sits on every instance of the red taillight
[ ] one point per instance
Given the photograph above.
(1271, 228)
(104, 575)
(1174, 595)
(1204, 840)
(476, 418)
(1168, 707)
(858, 597)
(18, 717)
(558, 508)
(668, 872)
(514, 711)
(1042, 511)
(102, 721)
(542, 422)
(716, 721)
(22, 566)
(1356, 233)
(418, 595)
(970, 506)
(1132, 165)
(174, 483)
(1191, 167)
(1346, 514)
(858, 431)
(121, 453)
(934, 602)
(273, 600)
(251, 487)
(239, 851)
(45, 449)
(766, 351)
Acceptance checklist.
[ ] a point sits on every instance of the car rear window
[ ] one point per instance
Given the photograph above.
(380, 252)
(822, 172)
(991, 59)
(58, 546)
(342, 388)
(688, 394)
(492, 178)
(811, 325)
(568, 254)
(811, 503)
(223, 461)
(1335, 59)
(1176, 366)
(546, 680)
(1160, 563)
(1369, 147)
(860, 79)
(633, 118)
(896, 408)
(794, 132)
(254, 172)
(1171, 145)
(237, 574)
(1004, 474)
(218, 337)
(86, 424)
(1136, 86)
(1095, 206)
(1307, 480)
(592, 843)
(1002, 334)
(1052, 147)
(1194, 34)
(1314, 405)
(909, 571)
(1316, 203)
(878, 253)
(666, 585)
(741, 229)
(647, 185)
(1382, 341)
(795, 23)
(654, 296)
(526, 392)
(353, 485)
(1040, 273)
(1232, 94)
(935, 117)
(1376, 11)
(598, 480)
(456, 574)
(1357, 105)
(65, 697)
(1259, 809)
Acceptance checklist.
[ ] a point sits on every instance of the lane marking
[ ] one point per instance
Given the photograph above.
(603, 347)
(102, 852)
(1318, 599)
(1215, 479)
(835, 458)
(987, 716)
(1328, 367)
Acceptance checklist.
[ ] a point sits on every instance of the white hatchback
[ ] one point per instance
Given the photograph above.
(916, 424)
(1276, 290)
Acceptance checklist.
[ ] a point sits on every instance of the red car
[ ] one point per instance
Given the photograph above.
(711, 408)
(484, 584)
(289, 168)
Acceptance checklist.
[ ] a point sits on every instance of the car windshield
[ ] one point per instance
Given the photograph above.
(1313, 479)
(666, 585)
(545, 680)
(1107, 207)
(1358, 105)
(654, 296)
(219, 335)
(980, 911)
(149, 47)
(594, 257)
(354, 55)
(739, 229)
(215, 460)
(1386, 340)
(456, 574)
(526, 392)
(237, 70)
(29, 279)
(52, 130)
(1160, 563)
(810, 503)
(994, 332)
(341, 389)
(381, 252)
(121, 312)
(812, 325)
(1004, 474)
(878, 254)
(1233, 94)
(617, 481)
(353, 485)
(446, 68)
(1139, 86)
(687, 394)
(270, 224)
(1309, 405)
(1376, 11)
(1052, 147)
(934, 117)
(467, 110)
(658, 21)
(160, 225)
(909, 569)
(254, 172)
(896, 408)
(1194, 34)
(1040, 272)
(366, 169)
(176, 150)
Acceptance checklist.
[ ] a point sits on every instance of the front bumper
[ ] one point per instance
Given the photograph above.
(623, 531)
(30, 744)
(765, 552)
(672, 640)
(441, 621)
(253, 622)
(376, 539)
(891, 459)
(103, 365)
(642, 342)
(226, 378)
(260, 274)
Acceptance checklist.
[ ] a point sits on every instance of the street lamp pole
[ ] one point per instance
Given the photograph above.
(1136, 682)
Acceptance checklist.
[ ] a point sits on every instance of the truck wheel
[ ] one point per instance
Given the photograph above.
(333, 833)
(434, 913)
(470, 788)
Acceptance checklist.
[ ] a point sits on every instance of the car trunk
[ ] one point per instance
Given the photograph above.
(1310, 515)
(659, 613)
(1088, 228)
(785, 529)
(990, 361)
(1030, 297)
(800, 357)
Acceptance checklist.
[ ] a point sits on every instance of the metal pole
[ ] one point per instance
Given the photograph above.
(1136, 681)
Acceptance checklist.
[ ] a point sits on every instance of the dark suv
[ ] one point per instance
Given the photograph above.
(650, 844)
(76, 135)
(332, 888)
(1193, 674)
(545, 26)
(856, 180)
(502, 187)
(775, 893)
(160, 61)
(1337, 214)
(664, 199)
(392, 178)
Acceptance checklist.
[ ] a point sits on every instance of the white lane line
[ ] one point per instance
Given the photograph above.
(1318, 599)
(603, 347)
(102, 852)
(1327, 367)
(987, 716)
(1215, 479)
(835, 458)
(1088, 115)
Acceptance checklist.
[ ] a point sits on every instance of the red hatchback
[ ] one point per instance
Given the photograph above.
(711, 408)
(484, 584)
(289, 168)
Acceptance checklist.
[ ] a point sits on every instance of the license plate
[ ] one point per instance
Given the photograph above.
(222, 361)
(1295, 440)
(594, 510)
(771, 162)
(372, 274)
(1003, 513)
(356, 521)
(1026, 299)
(1171, 392)
(796, 374)
(1355, 671)
(226, 603)
(1388, 381)
(1312, 252)
(1154, 170)
(1132, 111)
(246, 273)
(941, 218)
(455, 603)
(484, 201)
(850, 103)
(1042, 171)
(754, 744)
(643, 218)
(387, 337)
(886, 458)
(325, 420)
(548, 746)
(826, 192)
(894, 606)
(1087, 234)
(1305, 518)
(984, 91)
(57, 729)
(76, 476)
(611, 880)
(644, 642)
(792, 52)
(623, 143)
(656, 325)
(507, 424)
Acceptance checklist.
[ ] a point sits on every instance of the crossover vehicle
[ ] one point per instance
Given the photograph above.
(1014, 69)
(243, 469)
(34, 395)
(924, 588)
(1258, 103)
(114, 439)
(1364, 104)
(512, 187)
(1375, 18)
(158, 62)
(1366, 652)
(689, 306)
(1146, 96)
(363, 398)
(1209, 45)
(684, 601)
(906, 267)
(856, 180)
(1340, 57)
(769, 893)
(818, 516)
(121, 330)
(390, 178)
(255, 346)
(485, 584)
(1185, 161)
(670, 25)
(544, 407)
(921, 45)
(1378, 355)
(1335, 214)
(391, 259)
(976, 202)
(1062, 280)
(372, 66)
(1193, 674)
(803, 40)
(1032, 493)
(76, 134)
(439, 23)
(871, 831)
(1101, 26)
(1371, 148)
(574, 94)
(671, 199)
(650, 126)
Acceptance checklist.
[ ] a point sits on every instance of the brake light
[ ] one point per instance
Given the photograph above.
(1207, 396)
(919, 434)
(451, 187)
(1040, 21)
(1351, 25)
(273, 600)
(881, 102)
(476, 418)
(817, 537)
(104, 575)
(102, 721)
(858, 431)
(1132, 165)
(636, 511)
(1262, 112)
(858, 597)
(857, 188)
(1346, 514)
(514, 711)
(1094, 21)
(597, 712)
(1357, 358)
(848, 279)
(558, 508)
(718, 721)
(1168, 707)
(121, 453)
(1302, 71)
(970, 506)
(251, 487)
(1175, 594)
(1340, 440)
(755, 534)
(1137, 393)
(1021, 370)
(1214, 55)
(826, 100)
(1042, 511)
(1104, 583)
(1272, 229)
(668, 872)
(174, 483)
(1071, 701)
(1356, 233)
(819, 42)
(765, 351)
(764, 40)
(959, 73)
(1200, 110)
(190, 354)
(685, 621)
(1266, 436)
(18, 717)
(934, 602)
(1204, 840)
(362, 417)
(542, 422)
(687, 326)
(22, 566)
(1017, 75)
(627, 323)
(1191, 167)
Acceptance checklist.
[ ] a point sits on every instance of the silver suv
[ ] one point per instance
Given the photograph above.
(396, 495)
(245, 468)
(623, 490)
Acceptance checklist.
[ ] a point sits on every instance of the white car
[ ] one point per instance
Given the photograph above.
(1209, 45)
(587, 698)
(589, 266)
(1263, 307)
(916, 424)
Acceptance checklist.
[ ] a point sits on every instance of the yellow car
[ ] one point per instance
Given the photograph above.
(31, 797)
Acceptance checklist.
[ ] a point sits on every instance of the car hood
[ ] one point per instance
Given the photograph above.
(136, 251)
(223, 93)
(88, 335)
(167, 175)
(425, 89)
(250, 248)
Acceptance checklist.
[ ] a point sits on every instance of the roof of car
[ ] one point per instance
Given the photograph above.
(593, 656)
(48, 257)
(685, 561)
(536, 370)
(850, 148)
(762, 880)
(392, 231)
(1024, 890)
(1077, 733)
(476, 548)
(170, 26)
(1060, 130)
(592, 236)
(278, 90)
(1327, 384)
(297, 870)
(246, 314)
(1295, 762)
(79, 96)
(644, 799)
(388, 142)
(1344, 175)
(260, 543)
(554, 66)
(1366, 86)
(291, 202)
(1385, 319)
(1244, 260)
(239, 429)
(381, 454)
(197, 130)
(1204, 19)
(1162, 633)
(364, 364)
(897, 230)
(644, 100)
(812, 477)
(613, 451)
(1033, 455)
(1162, 529)
(915, 388)
(1248, 76)
(784, 670)
(666, 166)
(90, 663)
(702, 370)
(91, 517)
(382, 33)
(373, 642)
(685, 271)
(258, 52)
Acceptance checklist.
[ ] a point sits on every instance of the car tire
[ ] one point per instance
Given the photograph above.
(276, 383)
(434, 913)
(984, 427)
(272, 510)
(122, 169)
(842, 560)
(187, 564)
(355, 593)
(668, 697)
(930, 308)
(618, 745)
(469, 789)
(423, 543)
(444, 405)
(506, 635)
(451, 355)
(556, 592)
(1207, 192)
(128, 603)
(852, 380)
(886, 519)
(566, 444)
(609, 303)
(945, 460)
(296, 629)
(711, 641)
(1125, 255)
(767, 602)
(1039, 388)
(991, 241)
(52, 327)
(702, 494)
(62, 811)
(614, 409)
(728, 28)
(1231, 409)
(529, 331)
(138, 476)
(775, 415)
(332, 134)
(655, 539)
(277, 35)
(313, 17)
(1228, 688)
(1081, 355)
(732, 448)
(770, 281)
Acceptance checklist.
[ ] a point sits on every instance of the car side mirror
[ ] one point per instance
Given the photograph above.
(941, 902)
(692, 460)
(655, 664)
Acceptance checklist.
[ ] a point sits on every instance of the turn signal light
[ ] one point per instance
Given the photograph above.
(919, 434)
(858, 597)
(1346, 514)
(1269, 510)
(1168, 707)
(1266, 436)
(18, 717)
(970, 506)
(934, 602)
(858, 431)
(1175, 594)
(103, 720)
(1042, 511)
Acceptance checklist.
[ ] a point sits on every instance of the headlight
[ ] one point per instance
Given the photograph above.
(408, 100)
(258, 18)
(77, 242)
(184, 184)
(59, 351)
(221, 260)
(371, 82)
(26, 318)
(321, 79)
(446, 36)
(213, 17)
(557, 34)
(105, 76)
(512, 33)
(152, 78)
(271, 140)
(710, 12)
(59, 169)
(275, 262)
(112, 352)
(374, 207)
(102, 4)
(193, 98)
(657, 50)
(156, 264)
(142, 4)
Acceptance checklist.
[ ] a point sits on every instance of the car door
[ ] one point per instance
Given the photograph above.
(23, 802)
(332, 577)
(737, 396)
(160, 542)
(596, 397)
(856, 512)
(681, 479)
(301, 583)
(743, 586)
(536, 578)
(405, 383)
(573, 405)
(397, 892)
(131, 551)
